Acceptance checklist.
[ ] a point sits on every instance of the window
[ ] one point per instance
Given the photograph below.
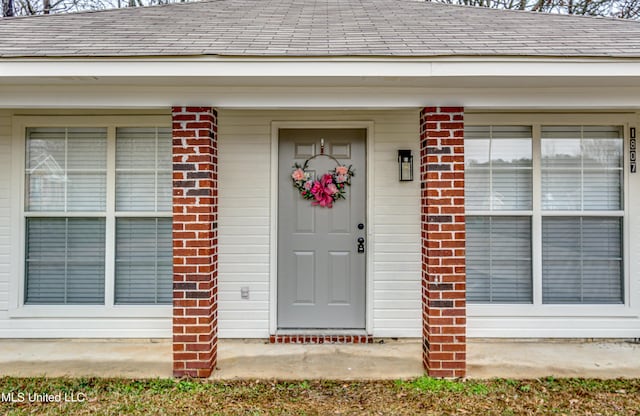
(98, 216)
(582, 214)
(498, 189)
(565, 207)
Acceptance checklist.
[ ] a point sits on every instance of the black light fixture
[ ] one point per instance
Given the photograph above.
(405, 164)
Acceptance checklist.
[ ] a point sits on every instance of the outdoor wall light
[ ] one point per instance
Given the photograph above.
(405, 163)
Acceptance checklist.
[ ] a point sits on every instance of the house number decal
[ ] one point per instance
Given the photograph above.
(632, 155)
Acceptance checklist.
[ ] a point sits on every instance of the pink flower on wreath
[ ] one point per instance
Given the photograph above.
(298, 175)
(307, 185)
(332, 189)
(341, 178)
(342, 171)
(321, 193)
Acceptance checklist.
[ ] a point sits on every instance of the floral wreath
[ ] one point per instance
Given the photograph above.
(326, 189)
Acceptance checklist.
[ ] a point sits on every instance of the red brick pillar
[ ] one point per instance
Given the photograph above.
(443, 241)
(195, 241)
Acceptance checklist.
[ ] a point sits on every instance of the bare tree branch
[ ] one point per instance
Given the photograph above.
(625, 9)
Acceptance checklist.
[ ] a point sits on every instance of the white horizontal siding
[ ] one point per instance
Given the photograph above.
(553, 327)
(245, 156)
(397, 301)
(83, 328)
(244, 149)
(5, 209)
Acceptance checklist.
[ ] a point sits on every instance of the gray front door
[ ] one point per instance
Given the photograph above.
(321, 274)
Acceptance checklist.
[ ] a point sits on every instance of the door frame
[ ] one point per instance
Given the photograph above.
(273, 231)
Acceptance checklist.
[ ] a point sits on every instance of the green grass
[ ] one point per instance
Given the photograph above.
(424, 396)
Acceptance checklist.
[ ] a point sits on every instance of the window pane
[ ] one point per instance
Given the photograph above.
(582, 260)
(603, 189)
(86, 191)
(143, 164)
(144, 261)
(165, 149)
(561, 190)
(477, 189)
(498, 172)
(136, 148)
(582, 168)
(603, 153)
(66, 169)
(164, 189)
(86, 149)
(507, 152)
(512, 189)
(499, 259)
(65, 260)
(135, 191)
(45, 166)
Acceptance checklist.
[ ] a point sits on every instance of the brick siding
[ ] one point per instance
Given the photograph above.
(321, 339)
(195, 241)
(443, 241)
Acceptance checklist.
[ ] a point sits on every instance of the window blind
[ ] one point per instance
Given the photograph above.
(143, 169)
(66, 169)
(582, 167)
(65, 260)
(582, 260)
(144, 261)
(498, 172)
(499, 259)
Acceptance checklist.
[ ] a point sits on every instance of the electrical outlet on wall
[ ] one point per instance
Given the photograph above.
(244, 292)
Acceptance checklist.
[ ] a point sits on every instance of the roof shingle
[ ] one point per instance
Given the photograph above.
(316, 28)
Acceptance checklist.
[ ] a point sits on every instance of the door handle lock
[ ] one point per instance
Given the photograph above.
(360, 244)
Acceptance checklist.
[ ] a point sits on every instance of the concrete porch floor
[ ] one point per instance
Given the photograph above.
(256, 359)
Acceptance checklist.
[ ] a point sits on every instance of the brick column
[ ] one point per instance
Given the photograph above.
(195, 241)
(443, 241)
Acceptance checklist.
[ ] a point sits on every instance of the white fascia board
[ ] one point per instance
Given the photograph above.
(316, 67)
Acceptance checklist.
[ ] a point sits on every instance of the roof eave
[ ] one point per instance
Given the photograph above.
(319, 66)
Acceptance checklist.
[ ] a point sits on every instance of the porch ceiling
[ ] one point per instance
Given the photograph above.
(320, 83)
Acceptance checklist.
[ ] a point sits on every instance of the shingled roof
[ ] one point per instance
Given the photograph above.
(316, 28)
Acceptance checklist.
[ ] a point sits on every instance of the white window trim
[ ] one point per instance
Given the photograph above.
(630, 308)
(17, 308)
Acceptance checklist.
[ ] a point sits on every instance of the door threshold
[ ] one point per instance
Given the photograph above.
(321, 336)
